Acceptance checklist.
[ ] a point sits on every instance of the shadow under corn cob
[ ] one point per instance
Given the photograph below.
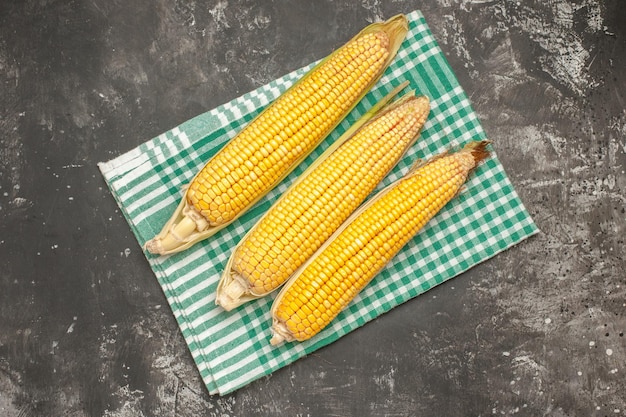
(366, 242)
(321, 199)
(279, 138)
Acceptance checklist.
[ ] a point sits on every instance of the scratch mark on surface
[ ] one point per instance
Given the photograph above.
(70, 329)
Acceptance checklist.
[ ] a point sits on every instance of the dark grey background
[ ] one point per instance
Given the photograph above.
(84, 327)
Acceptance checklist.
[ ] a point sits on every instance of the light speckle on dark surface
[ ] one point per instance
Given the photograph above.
(84, 327)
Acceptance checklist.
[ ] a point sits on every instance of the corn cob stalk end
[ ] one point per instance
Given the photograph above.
(233, 290)
(280, 334)
(185, 227)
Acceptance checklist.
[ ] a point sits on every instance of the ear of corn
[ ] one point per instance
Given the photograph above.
(316, 205)
(279, 138)
(366, 242)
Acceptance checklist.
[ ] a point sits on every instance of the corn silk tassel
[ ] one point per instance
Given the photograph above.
(366, 242)
(280, 137)
(319, 201)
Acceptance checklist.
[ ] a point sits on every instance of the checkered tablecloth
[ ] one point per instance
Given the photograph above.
(231, 349)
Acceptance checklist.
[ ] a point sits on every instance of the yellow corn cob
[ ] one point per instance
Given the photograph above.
(366, 242)
(264, 152)
(314, 207)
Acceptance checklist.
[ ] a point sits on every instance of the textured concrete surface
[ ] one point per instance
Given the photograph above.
(84, 327)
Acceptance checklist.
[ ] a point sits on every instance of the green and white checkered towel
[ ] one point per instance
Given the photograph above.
(231, 349)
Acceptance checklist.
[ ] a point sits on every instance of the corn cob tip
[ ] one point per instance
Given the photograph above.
(397, 27)
(478, 149)
(421, 105)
